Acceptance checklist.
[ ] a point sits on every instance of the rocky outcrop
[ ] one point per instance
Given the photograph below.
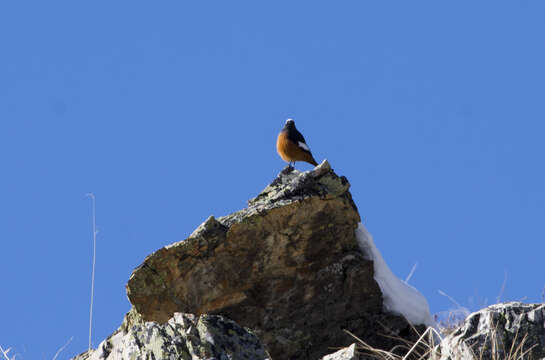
(288, 267)
(182, 337)
(501, 331)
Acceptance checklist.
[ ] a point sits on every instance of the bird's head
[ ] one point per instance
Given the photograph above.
(290, 122)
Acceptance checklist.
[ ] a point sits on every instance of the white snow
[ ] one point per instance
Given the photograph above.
(399, 297)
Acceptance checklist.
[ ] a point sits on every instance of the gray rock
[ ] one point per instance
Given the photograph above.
(183, 337)
(348, 353)
(499, 332)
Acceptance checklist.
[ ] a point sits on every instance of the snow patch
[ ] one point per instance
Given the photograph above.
(399, 297)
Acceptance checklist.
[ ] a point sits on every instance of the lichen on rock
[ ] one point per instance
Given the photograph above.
(182, 337)
(502, 331)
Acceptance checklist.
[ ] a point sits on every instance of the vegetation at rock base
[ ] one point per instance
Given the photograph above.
(428, 348)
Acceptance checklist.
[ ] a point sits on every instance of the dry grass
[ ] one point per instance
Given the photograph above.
(95, 232)
(427, 348)
(424, 348)
(5, 354)
(499, 352)
(453, 320)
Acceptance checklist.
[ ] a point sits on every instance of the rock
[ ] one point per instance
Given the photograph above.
(288, 267)
(182, 337)
(497, 332)
(348, 353)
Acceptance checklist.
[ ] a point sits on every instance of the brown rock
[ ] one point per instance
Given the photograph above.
(288, 267)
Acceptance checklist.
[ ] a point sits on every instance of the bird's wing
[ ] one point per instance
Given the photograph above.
(303, 146)
(298, 138)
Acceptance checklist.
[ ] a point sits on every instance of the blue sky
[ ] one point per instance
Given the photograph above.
(169, 111)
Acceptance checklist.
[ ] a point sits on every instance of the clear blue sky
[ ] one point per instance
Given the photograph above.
(169, 111)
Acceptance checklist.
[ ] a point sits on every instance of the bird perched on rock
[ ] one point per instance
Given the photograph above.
(291, 145)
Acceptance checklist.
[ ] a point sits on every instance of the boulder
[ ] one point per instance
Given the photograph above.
(288, 267)
(502, 331)
(182, 337)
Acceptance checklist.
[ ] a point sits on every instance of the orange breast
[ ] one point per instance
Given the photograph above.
(289, 151)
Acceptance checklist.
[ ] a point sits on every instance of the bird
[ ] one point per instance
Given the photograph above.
(291, 145)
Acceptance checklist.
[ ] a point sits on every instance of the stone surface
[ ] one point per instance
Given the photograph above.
(288, 266)
(183, 337)
(498, 331)
(348, 353)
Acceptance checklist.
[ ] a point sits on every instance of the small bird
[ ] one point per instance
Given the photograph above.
(291, 145)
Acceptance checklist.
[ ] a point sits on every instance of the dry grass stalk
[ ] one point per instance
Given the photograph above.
(432, 351)
(414, 350)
